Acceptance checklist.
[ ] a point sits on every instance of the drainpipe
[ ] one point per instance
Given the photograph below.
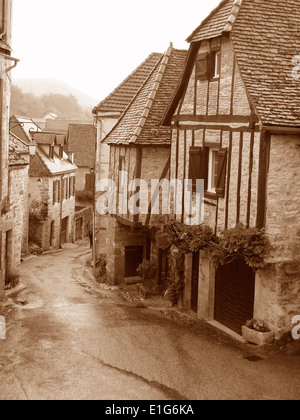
(2, 155)
(4, 21)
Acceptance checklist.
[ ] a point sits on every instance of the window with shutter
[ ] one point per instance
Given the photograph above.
(221, 178)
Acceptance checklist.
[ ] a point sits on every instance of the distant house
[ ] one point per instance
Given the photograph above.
(51, 192)
(140, 148)
(106, 114)
(22, 127)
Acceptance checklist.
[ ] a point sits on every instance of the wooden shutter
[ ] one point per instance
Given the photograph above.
(54, 192)
(58, 192)
(222, 165)
(202, 66)
(196, 165)
(74, 185)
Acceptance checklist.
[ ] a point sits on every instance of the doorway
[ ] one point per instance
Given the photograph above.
(133, 258)
(64, 230)
(195, 282)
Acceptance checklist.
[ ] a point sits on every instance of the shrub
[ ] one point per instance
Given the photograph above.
(100, 270)
(147, 270)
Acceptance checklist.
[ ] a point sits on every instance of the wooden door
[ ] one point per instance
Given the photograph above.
(234, 298)
(64, 229)
(79, 226)
(133, 258)
(195, 282)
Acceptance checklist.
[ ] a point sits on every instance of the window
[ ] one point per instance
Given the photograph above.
(72, 186)
(216, 64)
(208, 65)
(56, 192)
(212, 170)
(209, 164)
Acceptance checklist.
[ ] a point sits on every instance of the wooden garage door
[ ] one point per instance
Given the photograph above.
(234, 299)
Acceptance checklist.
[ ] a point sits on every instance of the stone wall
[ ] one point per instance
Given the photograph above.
(6, 222)
(118, 237)
(278, 289)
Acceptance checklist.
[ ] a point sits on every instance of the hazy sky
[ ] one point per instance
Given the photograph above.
(94, 44)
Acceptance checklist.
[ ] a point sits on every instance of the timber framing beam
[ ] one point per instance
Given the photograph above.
(217, 119)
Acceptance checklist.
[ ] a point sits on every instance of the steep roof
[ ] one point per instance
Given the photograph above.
(17, 151)
(81, 141)
(266, 38)
(119, 99)
(141, 122)
(216, 23)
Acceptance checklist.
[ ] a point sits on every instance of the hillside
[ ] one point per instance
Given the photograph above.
(41, 87)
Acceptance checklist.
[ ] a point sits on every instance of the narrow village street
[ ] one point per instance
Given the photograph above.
(69, 338)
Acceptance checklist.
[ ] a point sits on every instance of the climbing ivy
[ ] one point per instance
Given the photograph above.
(251, 244)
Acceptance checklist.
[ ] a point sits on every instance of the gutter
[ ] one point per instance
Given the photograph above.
(281, 129)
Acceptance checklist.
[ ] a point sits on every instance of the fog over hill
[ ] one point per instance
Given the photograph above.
(41, 87)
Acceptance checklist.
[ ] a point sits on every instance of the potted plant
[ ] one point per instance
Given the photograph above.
(257, 332)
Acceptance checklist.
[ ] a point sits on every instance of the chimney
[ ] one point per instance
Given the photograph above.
(71, 157)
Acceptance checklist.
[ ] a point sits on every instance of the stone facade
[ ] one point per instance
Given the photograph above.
(8, 243)
(41, 192)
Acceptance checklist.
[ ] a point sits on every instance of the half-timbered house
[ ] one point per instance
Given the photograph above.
(236, 124)
(139, 153)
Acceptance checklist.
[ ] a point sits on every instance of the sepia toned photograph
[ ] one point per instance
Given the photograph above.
(149, 203)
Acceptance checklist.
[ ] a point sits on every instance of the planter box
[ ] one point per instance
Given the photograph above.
(258, 338)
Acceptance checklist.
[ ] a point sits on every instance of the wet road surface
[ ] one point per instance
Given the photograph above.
(75, 340)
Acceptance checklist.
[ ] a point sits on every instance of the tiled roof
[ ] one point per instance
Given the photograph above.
(266, 37)
(216, 23)
(56, 165)
(119, 99)
(81, 141)
(17, 152)
(141, 122)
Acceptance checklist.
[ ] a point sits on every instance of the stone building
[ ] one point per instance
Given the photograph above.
(81, 139)
(235, 120)
(139, 150)
(51, 192)
(107, 114)
(10, 251)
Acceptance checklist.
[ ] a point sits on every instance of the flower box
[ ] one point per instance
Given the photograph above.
(256, 337)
